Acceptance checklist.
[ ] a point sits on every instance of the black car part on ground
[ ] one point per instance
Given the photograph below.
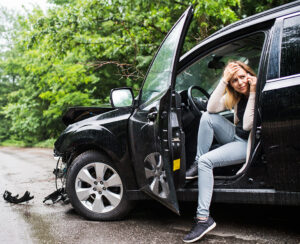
(14, 199)
(60, 193)
(56, 196)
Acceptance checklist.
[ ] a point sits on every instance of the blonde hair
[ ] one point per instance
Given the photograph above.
(232, 97)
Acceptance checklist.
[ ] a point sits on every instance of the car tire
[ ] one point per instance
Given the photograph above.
(95, 188)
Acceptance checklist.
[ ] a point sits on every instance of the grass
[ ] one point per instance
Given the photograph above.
(13, 143)
(46, 144)
(49, 143)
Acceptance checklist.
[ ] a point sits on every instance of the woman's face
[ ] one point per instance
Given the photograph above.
(239, 81)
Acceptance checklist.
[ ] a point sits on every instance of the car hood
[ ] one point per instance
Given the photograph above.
(108, 120)
(75, 114)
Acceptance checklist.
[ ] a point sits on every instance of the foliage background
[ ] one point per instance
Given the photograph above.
(77, 51)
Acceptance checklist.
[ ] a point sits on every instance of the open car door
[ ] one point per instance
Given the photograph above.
(150, 125)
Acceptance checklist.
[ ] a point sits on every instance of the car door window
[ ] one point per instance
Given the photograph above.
(290, 47)
(159, 75)
(208, 70)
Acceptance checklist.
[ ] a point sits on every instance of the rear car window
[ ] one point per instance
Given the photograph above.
(290, 47)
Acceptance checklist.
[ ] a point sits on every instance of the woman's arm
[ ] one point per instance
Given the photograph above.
(216, 102)
(249, 113)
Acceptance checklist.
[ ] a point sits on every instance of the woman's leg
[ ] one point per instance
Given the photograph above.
(228, 154)
(213, 125)
(210, 125)
(233, 151)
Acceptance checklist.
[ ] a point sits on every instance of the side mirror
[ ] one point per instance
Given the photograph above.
(121, 97)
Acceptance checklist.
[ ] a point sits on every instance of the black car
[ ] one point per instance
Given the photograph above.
(141, 147)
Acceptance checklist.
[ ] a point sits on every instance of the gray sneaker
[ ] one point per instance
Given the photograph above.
(192, 172)
(199, 230)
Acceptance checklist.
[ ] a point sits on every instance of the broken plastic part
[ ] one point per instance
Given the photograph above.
(56, 196)
(14, 199)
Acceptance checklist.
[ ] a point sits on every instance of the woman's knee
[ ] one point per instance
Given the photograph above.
(213, 120)
(209, 117)
(205, 115)
(206, 118)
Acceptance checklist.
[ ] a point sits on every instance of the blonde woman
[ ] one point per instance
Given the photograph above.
(235, 90)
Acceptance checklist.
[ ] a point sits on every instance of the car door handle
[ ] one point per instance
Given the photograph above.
(152, 116)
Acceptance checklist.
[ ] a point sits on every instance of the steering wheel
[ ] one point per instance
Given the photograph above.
(197, 105)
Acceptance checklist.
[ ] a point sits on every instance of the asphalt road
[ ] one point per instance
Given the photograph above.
(34, 222)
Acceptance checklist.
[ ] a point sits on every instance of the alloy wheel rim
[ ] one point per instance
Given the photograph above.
(156, 175)
(99, 187)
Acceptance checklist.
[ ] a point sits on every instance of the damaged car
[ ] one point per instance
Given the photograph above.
(140, 148)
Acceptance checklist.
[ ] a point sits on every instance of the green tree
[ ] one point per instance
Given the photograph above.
(251, 7)
(80, 49)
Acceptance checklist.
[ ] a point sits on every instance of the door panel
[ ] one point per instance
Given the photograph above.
(281, 132)
(280, 102)
(151, 125)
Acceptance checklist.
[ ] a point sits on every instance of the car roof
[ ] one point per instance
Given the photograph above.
(256, 19)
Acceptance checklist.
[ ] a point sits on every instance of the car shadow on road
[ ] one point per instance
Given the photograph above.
(282, 217)
(235, 223)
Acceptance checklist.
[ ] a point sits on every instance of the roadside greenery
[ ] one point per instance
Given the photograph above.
(79, 50)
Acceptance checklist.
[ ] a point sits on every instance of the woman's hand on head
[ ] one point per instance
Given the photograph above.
(252, 82)
(229, 71)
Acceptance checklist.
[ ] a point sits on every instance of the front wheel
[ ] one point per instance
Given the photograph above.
(95, 188)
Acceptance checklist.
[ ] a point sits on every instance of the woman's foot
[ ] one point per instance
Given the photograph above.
(192, 172)
(200, 229)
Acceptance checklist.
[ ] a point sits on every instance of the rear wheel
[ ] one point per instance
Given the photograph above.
(95, 188)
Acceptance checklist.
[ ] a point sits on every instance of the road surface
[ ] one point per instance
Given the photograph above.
(34, 222)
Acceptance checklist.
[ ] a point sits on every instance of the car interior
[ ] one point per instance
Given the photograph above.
(196, 82)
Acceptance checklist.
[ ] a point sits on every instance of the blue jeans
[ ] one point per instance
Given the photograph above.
(233, 151)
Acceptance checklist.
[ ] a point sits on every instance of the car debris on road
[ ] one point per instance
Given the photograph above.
(56, 196)
(14, 199)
